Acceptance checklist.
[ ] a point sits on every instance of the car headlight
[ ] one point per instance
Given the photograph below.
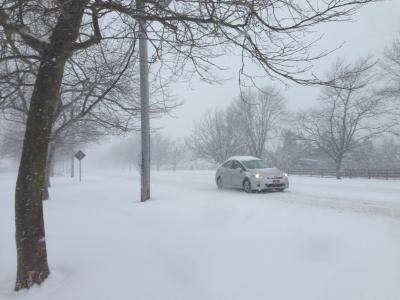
(258, 176)
(286, 174)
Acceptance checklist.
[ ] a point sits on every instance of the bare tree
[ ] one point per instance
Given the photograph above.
(80, 85)
(348, 116)
(291, 151)
(259, 115)
(11, 138)
(391, 68)
(160, 150)
(388, 154)
(178, 153)
(126, 153)
(269, 33)
(87, 76)
(391, 64)
(47, 31)
(214, 138)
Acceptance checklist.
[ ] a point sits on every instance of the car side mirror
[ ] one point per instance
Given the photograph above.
(240, 169)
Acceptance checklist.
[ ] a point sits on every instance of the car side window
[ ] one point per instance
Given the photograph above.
(228, 164)
(236, 165)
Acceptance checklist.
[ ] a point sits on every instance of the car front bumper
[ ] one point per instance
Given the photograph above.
(264, 184)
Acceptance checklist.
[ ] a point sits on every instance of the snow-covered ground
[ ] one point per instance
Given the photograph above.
(322, 239)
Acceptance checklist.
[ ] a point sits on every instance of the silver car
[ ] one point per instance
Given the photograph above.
(250, 174)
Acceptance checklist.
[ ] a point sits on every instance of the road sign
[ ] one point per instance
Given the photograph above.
(79, 156)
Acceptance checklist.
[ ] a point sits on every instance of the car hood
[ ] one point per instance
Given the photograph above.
(269, 172)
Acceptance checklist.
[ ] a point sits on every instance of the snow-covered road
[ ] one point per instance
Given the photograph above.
(379, 197)
(192, 241)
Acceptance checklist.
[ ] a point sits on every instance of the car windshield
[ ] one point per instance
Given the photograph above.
(256, 164)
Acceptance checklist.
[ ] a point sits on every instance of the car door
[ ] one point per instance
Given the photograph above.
(226, 173)
(237, 174)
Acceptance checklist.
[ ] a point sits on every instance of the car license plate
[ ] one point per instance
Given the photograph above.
(276, 182)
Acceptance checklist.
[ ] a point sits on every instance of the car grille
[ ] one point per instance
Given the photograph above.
(275, 177)
(278, 185)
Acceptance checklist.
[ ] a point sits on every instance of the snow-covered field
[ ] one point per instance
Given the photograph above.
(322, 239)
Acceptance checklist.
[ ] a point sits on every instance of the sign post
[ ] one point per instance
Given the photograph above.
(79, 156)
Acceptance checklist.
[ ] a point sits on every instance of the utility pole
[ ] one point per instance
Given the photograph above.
(144, 108)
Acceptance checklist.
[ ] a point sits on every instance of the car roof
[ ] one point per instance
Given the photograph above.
(243, 158)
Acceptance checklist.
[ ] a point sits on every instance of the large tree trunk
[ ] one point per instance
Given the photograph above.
(49, 171)
(30, 235)
(338, 166)
(32, 267)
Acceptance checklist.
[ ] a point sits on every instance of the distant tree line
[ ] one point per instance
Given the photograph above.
(167, 153)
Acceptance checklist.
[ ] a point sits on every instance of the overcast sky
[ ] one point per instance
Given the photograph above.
(374, 28)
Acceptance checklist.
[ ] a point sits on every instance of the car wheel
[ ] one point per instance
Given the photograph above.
(247, 186)
(220, 183)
